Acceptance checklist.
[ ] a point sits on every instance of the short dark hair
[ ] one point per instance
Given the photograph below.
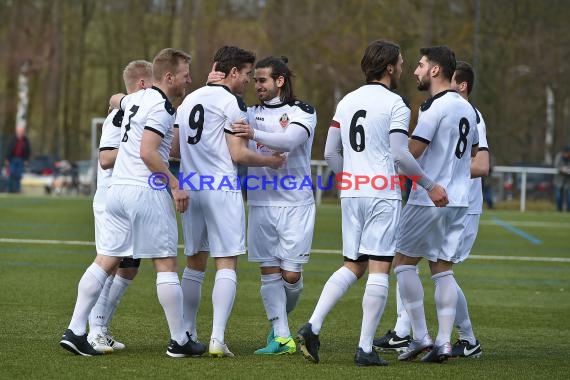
(464, 73)
(443, 56)
(377, 56)
(279, 68)
(228, 57)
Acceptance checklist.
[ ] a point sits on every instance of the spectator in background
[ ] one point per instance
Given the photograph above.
(562, 178)
(18, 153)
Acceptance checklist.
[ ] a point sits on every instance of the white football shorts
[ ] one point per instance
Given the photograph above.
(369, 226)
(140, 222)
(280, 236)
(215, 223)
(434, 233)
(469, 236)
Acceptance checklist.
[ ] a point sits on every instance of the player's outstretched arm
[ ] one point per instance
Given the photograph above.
(333, 150)
(243, 129)
(244, 156)
(410, 167)
(285, 141)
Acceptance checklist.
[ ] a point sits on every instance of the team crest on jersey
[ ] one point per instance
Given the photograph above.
(262, 148)
(284, 120)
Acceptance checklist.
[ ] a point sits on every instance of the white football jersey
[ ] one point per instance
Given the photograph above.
(295, 174)
(476, 192)
(448, 124)
(366, 117)
(203, 119)
(110, 139)
(147, 109)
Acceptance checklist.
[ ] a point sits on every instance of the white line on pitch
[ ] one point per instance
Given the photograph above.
(527, 224)
(326, 251)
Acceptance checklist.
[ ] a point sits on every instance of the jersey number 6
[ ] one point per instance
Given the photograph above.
(356, 132)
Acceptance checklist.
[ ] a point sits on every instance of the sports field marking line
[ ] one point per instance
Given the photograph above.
(516, 231)
(52, 242)
(527, 224)
(325, 251)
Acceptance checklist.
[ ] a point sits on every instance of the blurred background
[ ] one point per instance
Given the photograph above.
(60, 60)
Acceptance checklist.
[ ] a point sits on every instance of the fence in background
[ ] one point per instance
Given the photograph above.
(507, 182)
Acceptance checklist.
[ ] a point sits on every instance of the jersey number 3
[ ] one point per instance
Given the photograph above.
(356, 132)
(196, 123)
(461, 146)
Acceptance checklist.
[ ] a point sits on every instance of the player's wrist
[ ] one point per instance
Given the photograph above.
(428, 184)
(173, 184)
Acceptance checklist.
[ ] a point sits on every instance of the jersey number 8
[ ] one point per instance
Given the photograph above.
(461, 146)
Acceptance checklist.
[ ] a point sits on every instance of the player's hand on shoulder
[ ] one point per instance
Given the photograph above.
(438, 195)
(115, 101)
(277, 160)
(242, 129)
(181, 200)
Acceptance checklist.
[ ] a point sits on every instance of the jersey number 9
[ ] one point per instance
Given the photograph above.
(196, 123)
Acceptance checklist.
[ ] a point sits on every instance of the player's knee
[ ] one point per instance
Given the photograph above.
(291, 277)
(128, 273)
(358, 266)
(198, 262)
(360, 271)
